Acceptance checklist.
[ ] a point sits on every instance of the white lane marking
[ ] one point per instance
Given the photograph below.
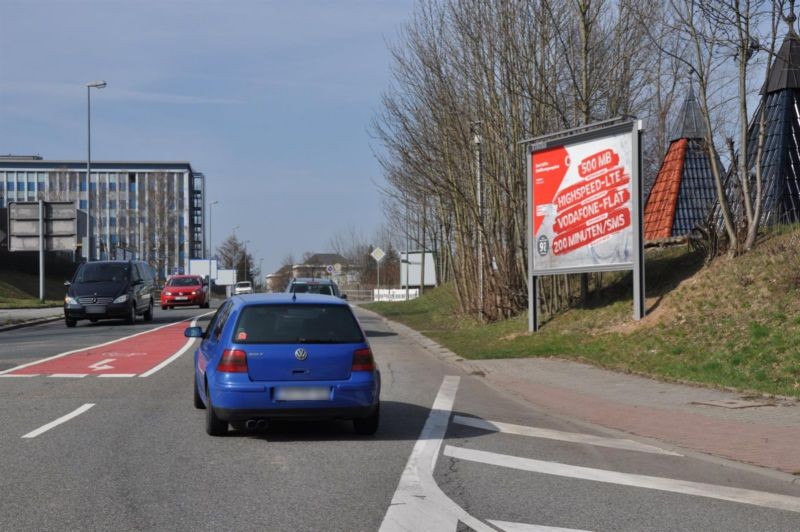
(59, 421)
(685, 487)
(419, 503)
(186, 347)
(68, 375)
(12, 376)
(54, 357)
(573, 437)
(99, 366)
(507, 526)
(116, 375)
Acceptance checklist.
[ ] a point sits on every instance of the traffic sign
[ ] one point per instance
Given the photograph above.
(378, 254)
(329, 268)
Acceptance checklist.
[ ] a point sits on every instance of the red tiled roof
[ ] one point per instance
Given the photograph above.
(659, 212)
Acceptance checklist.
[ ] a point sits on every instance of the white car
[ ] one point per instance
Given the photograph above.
(243, 287)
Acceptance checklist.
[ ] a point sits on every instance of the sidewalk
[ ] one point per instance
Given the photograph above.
(759, 430)
(16, 317)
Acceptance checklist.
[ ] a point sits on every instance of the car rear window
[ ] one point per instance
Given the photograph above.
(300, 288)
(297, 324)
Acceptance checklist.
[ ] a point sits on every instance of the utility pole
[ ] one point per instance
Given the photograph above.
(89, 87)
(408, 280)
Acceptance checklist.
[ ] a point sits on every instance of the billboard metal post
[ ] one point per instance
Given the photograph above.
(636, 220)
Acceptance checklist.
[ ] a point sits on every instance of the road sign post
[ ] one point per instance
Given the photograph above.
(378, 254)
(43, 226)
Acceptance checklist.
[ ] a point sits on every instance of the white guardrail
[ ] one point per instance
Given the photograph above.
(394, 294)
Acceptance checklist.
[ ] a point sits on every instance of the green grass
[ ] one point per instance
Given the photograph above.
(734, 323)
(21, 290)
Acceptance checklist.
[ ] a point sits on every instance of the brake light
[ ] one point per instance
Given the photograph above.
(362, 360)
(233, 361)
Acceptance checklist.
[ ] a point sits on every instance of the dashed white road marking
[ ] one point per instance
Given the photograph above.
(186, 347)
(13, 376)
(419, 503)
(116, 375)
(68, 375)
(535, 432)
(507, 526)
(59, 421)
(685, 487)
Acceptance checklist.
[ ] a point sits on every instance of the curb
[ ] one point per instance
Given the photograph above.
(474, 368)
(29, 323)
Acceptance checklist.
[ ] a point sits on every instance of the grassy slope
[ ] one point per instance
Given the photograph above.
(734, 323)
(21, 290)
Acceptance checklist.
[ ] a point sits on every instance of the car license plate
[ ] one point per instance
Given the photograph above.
(95, 309)
(181, 298)
(306, 393)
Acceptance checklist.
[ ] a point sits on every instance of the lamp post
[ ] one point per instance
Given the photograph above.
(477, 139)
(89, 87)
(246, 262)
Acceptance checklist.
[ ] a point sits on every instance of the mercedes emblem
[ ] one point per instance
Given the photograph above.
(301, 354)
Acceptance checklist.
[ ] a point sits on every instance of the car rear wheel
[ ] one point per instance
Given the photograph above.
(70, 322)
(369, 425)
(198, 401)
(131, 317)
(148, 314)
(214, 425)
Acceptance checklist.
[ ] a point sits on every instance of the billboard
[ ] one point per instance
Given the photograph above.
(226, 277)
(583, 203)
(204, 267)
(584, 206)
(415, 268)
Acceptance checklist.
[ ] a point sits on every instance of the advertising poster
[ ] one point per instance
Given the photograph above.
(582, 205)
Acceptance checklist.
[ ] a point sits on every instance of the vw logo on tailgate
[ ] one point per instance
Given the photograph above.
(301, 354)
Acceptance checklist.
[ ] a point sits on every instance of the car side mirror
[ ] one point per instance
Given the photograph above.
(193, 332)
(344, 296)
(67, 283)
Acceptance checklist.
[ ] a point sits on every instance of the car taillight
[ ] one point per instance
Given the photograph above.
(362, 360)
(233, 361)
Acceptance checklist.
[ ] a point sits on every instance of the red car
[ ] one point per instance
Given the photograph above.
(182, 290)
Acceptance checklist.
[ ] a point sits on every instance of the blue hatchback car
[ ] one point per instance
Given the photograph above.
(296, 356)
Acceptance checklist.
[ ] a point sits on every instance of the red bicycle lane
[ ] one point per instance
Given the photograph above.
(139, 354)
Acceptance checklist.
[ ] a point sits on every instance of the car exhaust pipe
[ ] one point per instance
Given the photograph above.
(250, 424)
(261, 424)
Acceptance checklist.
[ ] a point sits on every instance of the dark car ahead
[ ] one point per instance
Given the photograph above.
(302, 285)
(110, 290)
(284, 356)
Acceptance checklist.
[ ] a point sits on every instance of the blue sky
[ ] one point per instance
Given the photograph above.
(271, 100)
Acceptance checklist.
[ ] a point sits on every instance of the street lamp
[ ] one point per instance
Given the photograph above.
(89, 87)
(477, 140)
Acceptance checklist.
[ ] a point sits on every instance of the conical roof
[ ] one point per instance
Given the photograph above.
(780, 158)
(683, 192)
(785, 71)
(689, 122)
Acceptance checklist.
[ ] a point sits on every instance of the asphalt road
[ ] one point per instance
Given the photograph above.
(139, 459)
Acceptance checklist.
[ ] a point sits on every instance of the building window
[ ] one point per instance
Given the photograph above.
(112, 204)
(83, 185)
(112, 187)
(132, 203)
(83, 204)
(11, 186)
(31, 186)
(112, 222)
(132, 187)
(93, 186)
